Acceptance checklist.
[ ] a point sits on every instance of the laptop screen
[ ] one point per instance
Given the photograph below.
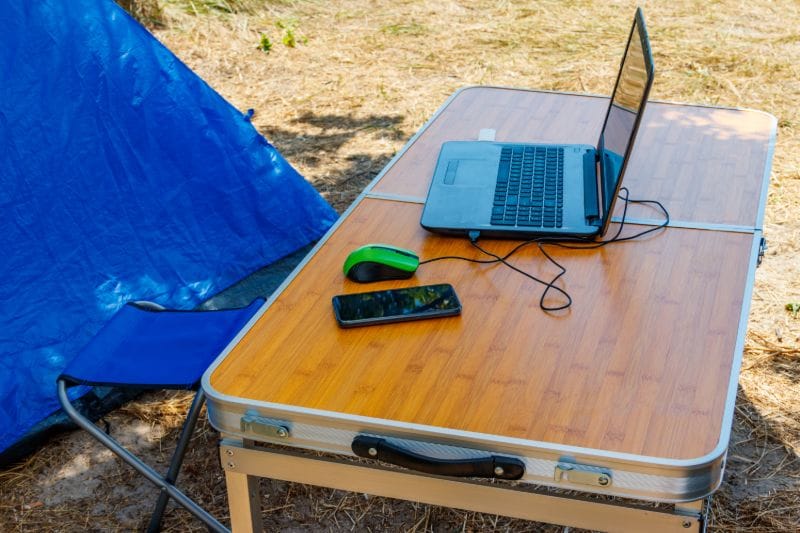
(627, 104)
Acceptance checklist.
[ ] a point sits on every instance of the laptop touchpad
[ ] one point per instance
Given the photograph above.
(468, 172)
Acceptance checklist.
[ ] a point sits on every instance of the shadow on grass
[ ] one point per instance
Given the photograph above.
(319, 142)
(760, 491)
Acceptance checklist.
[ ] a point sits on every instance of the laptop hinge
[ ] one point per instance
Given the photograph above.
(590, 204)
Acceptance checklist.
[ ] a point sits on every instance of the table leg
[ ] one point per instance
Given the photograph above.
(244, 500)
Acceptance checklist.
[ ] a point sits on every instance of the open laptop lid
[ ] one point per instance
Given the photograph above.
(624, 114)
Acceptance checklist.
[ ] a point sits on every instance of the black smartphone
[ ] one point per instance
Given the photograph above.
(396, 305)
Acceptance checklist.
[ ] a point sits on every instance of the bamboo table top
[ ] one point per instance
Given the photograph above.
(642, 363)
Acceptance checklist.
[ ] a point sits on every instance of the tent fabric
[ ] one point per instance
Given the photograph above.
(123, 176)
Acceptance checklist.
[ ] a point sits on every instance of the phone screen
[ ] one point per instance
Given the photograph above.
(395, 305)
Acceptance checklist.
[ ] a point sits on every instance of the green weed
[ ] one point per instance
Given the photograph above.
(290, 37)
(265, 45)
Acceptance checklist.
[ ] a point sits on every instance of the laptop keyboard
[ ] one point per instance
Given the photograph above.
(530, 187)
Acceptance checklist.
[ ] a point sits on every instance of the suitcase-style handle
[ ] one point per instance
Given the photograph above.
(492, 466)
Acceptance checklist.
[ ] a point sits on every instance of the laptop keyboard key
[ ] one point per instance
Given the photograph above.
(529, 190)
(530, 223)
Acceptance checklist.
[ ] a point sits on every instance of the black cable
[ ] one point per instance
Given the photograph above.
(548, 284)
(573, 243)
(592, 245)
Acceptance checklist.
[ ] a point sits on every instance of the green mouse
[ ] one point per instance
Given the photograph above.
(379, 262)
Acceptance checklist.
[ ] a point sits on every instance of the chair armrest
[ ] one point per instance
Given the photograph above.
(148, 306)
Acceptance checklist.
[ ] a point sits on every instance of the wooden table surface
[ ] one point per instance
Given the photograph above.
(642, 363)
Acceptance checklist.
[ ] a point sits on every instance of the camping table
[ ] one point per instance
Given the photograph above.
(629, 393)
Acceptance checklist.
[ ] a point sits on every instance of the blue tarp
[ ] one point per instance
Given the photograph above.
(123, 176)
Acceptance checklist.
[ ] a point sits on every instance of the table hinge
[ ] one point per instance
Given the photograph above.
(762, 248)
(263, 426)
(583, 474)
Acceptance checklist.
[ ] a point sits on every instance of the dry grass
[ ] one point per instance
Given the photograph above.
(363, 77)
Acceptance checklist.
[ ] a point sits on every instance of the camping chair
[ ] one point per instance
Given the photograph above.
(144, 346)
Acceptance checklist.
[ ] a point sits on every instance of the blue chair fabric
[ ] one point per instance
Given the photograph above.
(152, 349)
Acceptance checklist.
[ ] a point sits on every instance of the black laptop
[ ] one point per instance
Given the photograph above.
(523, 191)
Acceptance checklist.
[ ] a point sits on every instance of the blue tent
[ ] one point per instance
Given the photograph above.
(123, 176)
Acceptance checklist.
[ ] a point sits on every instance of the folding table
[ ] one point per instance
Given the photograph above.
(625, 399)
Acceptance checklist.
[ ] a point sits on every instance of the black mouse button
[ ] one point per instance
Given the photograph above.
(364, 272)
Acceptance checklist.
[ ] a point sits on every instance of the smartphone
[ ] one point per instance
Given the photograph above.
(396, 305)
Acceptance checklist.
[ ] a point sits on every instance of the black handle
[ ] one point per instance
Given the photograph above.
(492, 466)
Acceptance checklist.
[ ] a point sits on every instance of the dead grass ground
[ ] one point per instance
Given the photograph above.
(362, 78)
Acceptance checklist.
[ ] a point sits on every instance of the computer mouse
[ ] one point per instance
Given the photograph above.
(379, 262)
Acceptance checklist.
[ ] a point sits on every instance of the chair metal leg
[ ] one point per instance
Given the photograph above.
(145, 470)
(177, 459)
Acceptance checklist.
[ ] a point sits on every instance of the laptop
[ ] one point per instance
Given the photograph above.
(526, 191)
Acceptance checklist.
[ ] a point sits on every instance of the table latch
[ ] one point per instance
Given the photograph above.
(264, 427)
(583, 474)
